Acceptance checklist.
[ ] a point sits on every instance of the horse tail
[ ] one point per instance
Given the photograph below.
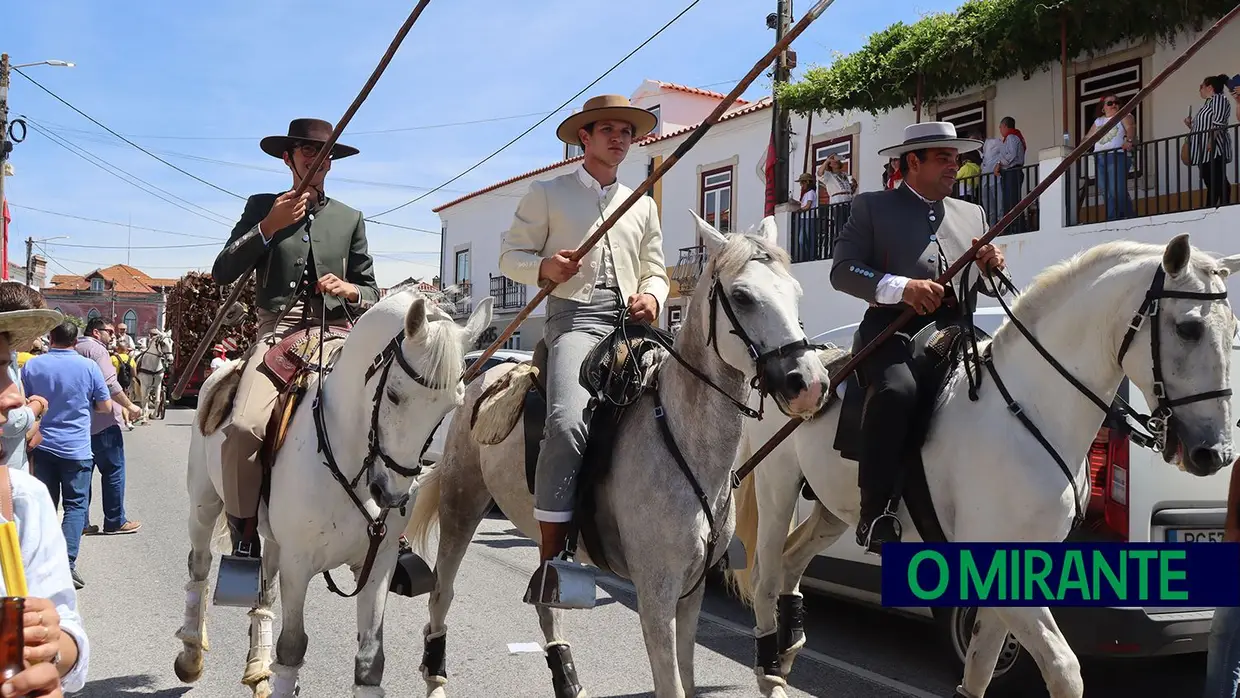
(740, 581)
(425, 510)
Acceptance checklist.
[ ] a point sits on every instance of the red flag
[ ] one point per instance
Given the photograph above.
(4, 256)
(769, 209)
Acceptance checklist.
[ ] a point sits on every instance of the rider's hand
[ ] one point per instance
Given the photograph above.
(643, 307)
(134, 411)
(989, 257)
(286, 211)
(923, 295)
(36, 681)
(42, 630)
(333, 285)
(558, 268)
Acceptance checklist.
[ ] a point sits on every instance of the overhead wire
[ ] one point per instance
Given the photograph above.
(116, 223)
(567, 102)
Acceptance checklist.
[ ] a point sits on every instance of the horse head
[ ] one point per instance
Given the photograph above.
(1180, 357)
(752, 320)
(420, 382)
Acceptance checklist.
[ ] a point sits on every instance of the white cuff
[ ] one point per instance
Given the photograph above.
(266, 242)
(890, 289)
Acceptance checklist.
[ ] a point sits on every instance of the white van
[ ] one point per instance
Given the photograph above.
(1136, 497)
(434, 450)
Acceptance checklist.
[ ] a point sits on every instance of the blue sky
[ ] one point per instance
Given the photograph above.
(200, 83)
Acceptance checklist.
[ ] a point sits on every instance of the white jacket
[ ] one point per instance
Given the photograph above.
(559, 214)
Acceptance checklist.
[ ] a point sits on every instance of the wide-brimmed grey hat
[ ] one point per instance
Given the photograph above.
(25, 326)
(931, 134)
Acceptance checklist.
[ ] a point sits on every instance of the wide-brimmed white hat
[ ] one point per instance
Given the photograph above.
(931, 134)
(25, 326)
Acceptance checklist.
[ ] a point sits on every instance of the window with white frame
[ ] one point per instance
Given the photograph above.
(658, 118)
(572, 151)
(462, 267)
(716, 186)
(1121, 79)
(675, 316)
(97, 284)
(970, 120)
(131, 321)
(842, 148)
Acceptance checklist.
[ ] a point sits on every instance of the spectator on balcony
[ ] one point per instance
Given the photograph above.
(840, 190)
(806, 223)
(968, 177)
(1111, 158)
(891, 174)
(988, 189)
(1210, 142)
(1010, 168)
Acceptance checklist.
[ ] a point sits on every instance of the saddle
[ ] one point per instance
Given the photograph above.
(937, 350)
(282, 362)
(294, 360)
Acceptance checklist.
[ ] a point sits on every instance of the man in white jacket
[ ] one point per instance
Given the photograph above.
(625, 270)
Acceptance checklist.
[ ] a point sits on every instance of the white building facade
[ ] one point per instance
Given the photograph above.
(721, 177)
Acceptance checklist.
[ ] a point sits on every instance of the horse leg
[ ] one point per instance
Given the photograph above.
(688, 610)
(368, 663)
(814, 535)
(466, 507)
(258, 662)
(564, 679)
(193, 632)
(777, 500)
(1036, 630)
(657, 604)
(291, 647)
(989, 632)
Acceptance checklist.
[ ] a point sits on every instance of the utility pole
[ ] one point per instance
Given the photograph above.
(782, 126)
(5, 147)
(29, 261)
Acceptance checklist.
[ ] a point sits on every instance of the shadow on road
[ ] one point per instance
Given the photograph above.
(133, 685)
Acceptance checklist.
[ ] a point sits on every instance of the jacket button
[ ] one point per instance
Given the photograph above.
(300, 261)
(305, 238)
(292, 284)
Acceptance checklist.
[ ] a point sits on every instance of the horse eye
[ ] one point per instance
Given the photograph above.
(742, 298)
(1190, 331)
(393, 396)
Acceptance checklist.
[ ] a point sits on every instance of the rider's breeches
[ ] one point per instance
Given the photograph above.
(243, 476)
(571, 331)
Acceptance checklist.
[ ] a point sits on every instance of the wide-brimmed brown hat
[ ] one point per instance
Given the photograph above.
(25, 326)
(607, 107)
(305, 131)
(806, 177)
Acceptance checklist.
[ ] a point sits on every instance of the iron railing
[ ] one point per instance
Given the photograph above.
(1167, 175)
(999, 193)
(689, 267)
(815, 230)
(507, 293)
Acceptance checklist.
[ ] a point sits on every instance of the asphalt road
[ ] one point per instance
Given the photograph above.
(134, 600)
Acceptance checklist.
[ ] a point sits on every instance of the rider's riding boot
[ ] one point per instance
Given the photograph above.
(245, 539)
(554, 541)
(877, 526)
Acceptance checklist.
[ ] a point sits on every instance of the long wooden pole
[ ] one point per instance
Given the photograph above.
(697, 135)
(1085, 146)
(240, 283)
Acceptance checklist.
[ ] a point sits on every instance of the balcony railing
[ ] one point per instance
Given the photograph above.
(999, 193)
(459, 300)
(815, 230)
(1167, 175)
(507, 293)
(689, 267)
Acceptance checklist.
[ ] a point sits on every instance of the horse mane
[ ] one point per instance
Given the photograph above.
(445, 355)
(742, 248)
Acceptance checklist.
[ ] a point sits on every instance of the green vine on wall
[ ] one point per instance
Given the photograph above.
(983, 42)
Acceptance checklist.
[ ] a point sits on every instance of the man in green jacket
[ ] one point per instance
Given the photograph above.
(308, 252)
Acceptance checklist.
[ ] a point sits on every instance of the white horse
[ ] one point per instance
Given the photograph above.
(398, 373)
(989, 478)
(152, 361)
(654, 529)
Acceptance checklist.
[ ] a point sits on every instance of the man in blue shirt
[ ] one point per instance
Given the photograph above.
(72, 386)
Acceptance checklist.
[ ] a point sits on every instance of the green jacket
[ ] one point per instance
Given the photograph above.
(336, 240)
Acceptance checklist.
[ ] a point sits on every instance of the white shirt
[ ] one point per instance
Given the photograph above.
(217, 362)
(607, 275)
(809, 199)
(46, 560)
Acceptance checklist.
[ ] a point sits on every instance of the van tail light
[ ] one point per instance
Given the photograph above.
(1108, 477)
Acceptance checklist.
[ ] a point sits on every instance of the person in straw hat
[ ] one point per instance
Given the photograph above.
(891, 250)
(624, 270)
(805, 226)
(311, 257)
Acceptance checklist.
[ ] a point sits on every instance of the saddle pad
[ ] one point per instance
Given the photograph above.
(282, 361)
(500, 406)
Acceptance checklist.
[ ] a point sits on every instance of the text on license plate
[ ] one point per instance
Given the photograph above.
(1194, 535)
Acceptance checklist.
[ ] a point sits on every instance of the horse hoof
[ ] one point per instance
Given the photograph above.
(187, 667)
(787, 659)
(438, 692)
(368, 692)
(262, 689)
(772, 687)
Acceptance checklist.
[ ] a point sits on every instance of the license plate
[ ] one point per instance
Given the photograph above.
(1195, 535)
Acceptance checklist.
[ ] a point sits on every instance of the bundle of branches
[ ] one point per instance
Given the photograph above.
(192, 307)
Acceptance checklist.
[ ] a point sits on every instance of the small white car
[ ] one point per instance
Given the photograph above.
(434, 451)
(1135, 497)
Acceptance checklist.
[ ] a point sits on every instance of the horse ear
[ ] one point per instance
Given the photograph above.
(1229, 265)
(1175, 258)
(711, 238)
(769, 230)
(415, 318)
(479, 319)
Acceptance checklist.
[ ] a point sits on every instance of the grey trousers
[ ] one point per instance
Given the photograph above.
(571, 331)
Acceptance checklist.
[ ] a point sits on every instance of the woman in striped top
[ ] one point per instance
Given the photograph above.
(1210, 142)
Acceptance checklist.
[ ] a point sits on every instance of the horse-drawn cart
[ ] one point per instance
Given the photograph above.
(192, 305)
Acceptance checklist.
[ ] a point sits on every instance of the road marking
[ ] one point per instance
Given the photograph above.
(833, 662)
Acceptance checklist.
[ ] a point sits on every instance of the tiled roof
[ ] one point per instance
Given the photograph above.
(695, 91)
(121, 278)
(743, 109)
